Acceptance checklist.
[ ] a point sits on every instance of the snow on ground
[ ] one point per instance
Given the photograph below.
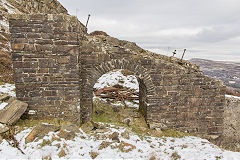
(230, 96)
(116, 77)
(11, 10)
(188, 148)
(8, 88)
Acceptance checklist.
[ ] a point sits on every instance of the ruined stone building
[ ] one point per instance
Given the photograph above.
(56, 63)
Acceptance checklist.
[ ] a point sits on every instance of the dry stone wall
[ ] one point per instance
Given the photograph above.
(45, 61)
(19, 7)
(57, 63)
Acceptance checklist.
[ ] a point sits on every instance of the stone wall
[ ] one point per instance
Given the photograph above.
(177, 95)
(45, 61)
(19, 7)
(57, 64)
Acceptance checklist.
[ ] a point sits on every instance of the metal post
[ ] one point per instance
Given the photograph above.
(183, 53)
(88, 20)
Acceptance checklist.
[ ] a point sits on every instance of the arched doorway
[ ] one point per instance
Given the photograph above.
(146, 87)
(116, 97)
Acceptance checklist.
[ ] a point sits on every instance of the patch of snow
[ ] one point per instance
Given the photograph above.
(31, 112)
(8, 88)
(117, 104)
(4, 24)
(131, 104)
(1, 125)
(116, 77)
(3, 105)
(11, 9)
(230, 96)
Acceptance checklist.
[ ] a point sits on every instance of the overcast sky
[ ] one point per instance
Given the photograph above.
(208, 29)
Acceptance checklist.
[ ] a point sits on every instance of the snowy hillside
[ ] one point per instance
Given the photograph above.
(88, 146)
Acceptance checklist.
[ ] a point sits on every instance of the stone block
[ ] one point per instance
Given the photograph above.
(63, 60)
(43, 48)
(18, 46)
(11, 113)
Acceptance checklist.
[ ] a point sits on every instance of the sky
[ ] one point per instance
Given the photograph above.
(208, 29)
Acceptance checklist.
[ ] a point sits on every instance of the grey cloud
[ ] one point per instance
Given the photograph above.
(218, 33)
(165, 23)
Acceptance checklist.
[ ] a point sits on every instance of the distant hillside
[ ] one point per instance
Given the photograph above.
(228, 72)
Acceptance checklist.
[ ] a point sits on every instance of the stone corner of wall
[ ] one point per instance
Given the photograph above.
(66, 18)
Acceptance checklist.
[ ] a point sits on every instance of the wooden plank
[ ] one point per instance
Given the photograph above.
(12, 112)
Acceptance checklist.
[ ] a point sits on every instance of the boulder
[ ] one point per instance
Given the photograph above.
(104, 144)
(93, 154)
(12, 112)
(40, 131)
(68, 135)
(69, 131)
(115, 137)
(125, 134)
(87, 127)
(71, 128)
(3, 128)
(62, 153)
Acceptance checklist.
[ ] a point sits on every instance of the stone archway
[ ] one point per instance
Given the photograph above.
(146, 87)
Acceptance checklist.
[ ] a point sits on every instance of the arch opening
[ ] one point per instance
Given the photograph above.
(119, 96)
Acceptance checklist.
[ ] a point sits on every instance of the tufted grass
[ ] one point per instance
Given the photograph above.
(108, 116)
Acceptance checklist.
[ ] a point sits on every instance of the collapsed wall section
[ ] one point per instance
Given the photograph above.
(45, 61)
